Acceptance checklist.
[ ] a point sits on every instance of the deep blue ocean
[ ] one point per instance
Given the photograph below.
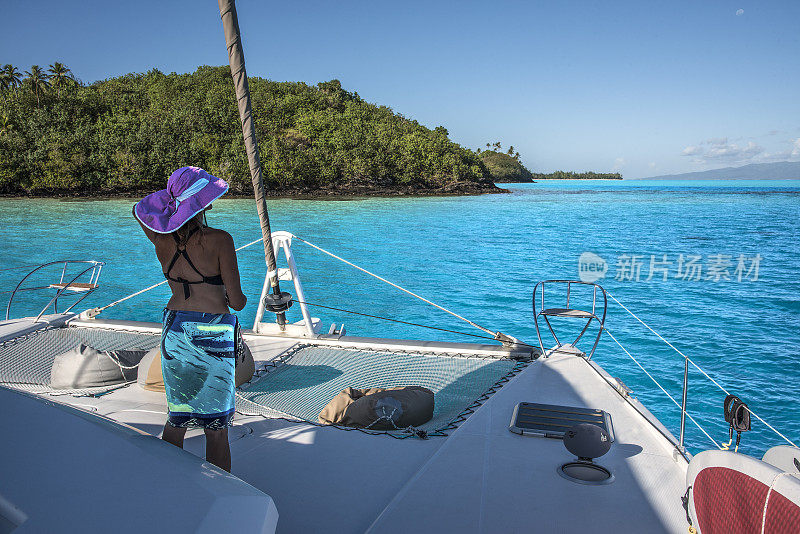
(729, 252)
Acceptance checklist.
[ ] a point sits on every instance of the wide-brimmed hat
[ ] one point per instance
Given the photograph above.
(189, 191)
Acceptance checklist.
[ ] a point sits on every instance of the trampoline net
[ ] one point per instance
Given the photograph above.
(26, 362)
(305, 379)
(296, 385)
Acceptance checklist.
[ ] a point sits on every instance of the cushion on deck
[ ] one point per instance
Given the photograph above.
(86, 367)
(380, 408)
(246, 367)
(151, 379)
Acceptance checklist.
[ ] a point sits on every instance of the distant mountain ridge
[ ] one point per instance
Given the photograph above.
(781, 170)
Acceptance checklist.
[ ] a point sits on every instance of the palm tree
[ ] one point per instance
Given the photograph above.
(59, 75)
(10, 77)
(5, 125)
(38, 81)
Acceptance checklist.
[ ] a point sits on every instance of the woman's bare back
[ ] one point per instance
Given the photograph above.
(213, 254)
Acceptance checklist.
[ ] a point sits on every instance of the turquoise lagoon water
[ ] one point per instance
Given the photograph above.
(482, 255)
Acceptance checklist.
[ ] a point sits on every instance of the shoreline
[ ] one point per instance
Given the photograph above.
(566, 180)
(280, 195)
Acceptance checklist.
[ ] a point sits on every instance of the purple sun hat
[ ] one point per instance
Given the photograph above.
(189, 191)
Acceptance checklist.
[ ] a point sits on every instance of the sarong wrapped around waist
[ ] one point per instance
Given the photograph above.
(198, 359)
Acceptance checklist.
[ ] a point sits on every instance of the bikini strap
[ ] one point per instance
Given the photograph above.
(181, 251)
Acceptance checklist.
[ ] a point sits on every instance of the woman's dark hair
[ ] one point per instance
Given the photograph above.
(183, 232)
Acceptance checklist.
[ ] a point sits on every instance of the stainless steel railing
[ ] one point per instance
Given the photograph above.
(569, 312)
(71, 286)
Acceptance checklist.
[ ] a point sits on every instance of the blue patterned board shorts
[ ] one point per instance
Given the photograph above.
(199, 354)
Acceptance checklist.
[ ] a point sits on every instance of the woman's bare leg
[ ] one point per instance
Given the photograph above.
(173, 435)
(218, 450)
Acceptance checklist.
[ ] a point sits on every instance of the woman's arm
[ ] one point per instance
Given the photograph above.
(229, 269)
(151, 235)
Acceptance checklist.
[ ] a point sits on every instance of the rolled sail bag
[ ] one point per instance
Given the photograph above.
(380, 408)
(86, 367)
(151, 379)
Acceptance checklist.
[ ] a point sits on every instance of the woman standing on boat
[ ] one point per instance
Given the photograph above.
(200, 340)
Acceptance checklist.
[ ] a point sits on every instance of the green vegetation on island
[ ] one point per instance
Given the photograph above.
(568, 175)
(504, 167)
(125, 135)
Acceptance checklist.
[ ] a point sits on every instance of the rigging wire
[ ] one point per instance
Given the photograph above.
(494, 334)
(18, 267)
(662, 388)
(698, 367)
(123, 299)
(405, 322)
(331, 254)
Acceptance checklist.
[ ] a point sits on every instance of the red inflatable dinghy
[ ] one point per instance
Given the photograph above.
(730, 492)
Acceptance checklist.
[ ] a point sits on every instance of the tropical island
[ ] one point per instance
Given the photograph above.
(569, 175)
(125, 135)
(506, 167)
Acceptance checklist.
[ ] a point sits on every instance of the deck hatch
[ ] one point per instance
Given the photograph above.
(551, 421)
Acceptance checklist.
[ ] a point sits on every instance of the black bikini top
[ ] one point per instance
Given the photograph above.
(215, 280)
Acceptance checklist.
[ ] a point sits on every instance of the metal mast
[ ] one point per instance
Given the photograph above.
(277, 302)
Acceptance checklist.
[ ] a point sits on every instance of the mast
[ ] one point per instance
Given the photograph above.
(277, 302)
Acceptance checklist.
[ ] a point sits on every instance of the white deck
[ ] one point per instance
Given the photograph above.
(487, 479)
(482, 478)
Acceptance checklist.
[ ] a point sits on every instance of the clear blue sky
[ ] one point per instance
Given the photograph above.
(645, 88)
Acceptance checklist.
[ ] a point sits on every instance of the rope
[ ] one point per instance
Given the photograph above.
(98, 310)
(479, 327)
(410, 429)
(662, 388)
(495, 335)
(699, 368)
(119, 364)
(766, 500)
(19, 267)
(404, 322)
(123, 299)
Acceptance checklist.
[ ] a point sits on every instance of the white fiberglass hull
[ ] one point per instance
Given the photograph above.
(66, 470)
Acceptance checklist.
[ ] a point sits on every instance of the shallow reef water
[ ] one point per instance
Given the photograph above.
(712, 266)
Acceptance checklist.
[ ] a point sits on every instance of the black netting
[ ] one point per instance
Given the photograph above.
(306, 379)
(26, 362)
